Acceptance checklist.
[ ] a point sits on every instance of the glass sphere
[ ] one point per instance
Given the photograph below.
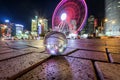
(55, 43)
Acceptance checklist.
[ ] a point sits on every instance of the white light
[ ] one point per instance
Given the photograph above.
(7, 21)
(84, 36)
(3, 39)
(33, 20)
(39, 25)
(36, 17)
(40, 21)
(53, 52)
(19, 32)
(72, 35)
(48, 46)
(113, 22)
(19, 25)
(5, 26)
(63, 16)
(118, 6)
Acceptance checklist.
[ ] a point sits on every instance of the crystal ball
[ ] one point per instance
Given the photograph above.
(55, 43)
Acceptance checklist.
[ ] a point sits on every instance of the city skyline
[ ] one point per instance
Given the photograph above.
(23, 11)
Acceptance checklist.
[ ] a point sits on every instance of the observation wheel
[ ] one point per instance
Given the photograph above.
(70, 16)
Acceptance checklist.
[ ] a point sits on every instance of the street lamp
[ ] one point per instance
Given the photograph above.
(113, 22)
(106, 20)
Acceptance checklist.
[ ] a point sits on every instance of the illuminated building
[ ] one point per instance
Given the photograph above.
(9, 30)
(91, 24)
(43, 26)
(3, 29)
(19, 29)
(39, 26)
(34, 25)
(112, 22)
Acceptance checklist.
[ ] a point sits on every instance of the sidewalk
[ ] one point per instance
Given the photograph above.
(84, 59)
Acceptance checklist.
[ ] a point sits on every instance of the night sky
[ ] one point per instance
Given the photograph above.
(22, 11)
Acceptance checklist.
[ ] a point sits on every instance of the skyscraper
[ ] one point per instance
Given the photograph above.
(112, 24)
(91, 24)
(39, 26)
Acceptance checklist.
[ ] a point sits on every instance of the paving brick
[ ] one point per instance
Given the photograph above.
(18, 47)
(115, 58)
(87, 42)
(108, 71)
(6, 50)
(17, 42)
(18, 53)
(37, 43)
(113, 47)
(11, 67)
(69, 50)
(2, 44)
(114, 43)
(90, 55)
(62, 68)
(34, 49)
(114, 50)
(86, 47)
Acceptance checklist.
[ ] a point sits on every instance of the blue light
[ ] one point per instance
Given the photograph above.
(7, 21)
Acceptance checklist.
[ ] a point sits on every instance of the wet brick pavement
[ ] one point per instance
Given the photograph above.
(84, 59)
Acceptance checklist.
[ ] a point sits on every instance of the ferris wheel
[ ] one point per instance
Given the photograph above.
(69, 16)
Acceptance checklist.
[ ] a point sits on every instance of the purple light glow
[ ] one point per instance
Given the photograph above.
(64, 2)
(85, 18)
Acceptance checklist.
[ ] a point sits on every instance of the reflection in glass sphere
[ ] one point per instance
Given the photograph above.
(55, 43)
